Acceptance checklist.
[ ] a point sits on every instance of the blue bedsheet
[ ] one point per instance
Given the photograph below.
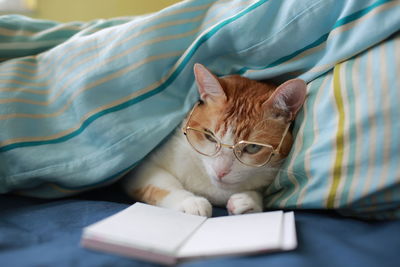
(107, 120)
(47, 233)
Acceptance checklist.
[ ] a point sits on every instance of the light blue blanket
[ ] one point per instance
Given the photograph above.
(84, 103)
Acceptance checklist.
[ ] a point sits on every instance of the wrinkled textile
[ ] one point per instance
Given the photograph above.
(87, 102)
(47, 233)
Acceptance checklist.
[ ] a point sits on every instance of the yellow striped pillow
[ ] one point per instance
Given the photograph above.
(346, 153)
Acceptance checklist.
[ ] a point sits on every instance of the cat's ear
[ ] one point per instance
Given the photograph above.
(287, 99)
(208, 84)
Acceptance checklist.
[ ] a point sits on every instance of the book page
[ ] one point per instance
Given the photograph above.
(289, 239)
(146, 228)
(240, 234)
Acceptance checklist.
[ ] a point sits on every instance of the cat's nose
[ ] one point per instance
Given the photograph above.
(222, 173)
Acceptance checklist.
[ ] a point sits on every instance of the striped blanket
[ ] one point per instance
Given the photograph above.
(82, 103)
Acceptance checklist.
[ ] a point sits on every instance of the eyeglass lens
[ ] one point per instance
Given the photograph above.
(253, 154)
(205, 143)
(247, 152)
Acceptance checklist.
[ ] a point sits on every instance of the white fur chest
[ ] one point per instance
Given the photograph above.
(182, 161)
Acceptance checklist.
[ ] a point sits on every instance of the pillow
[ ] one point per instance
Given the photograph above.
(346, 152)
(88, 108)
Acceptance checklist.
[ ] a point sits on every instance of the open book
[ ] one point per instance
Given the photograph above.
(167, 236)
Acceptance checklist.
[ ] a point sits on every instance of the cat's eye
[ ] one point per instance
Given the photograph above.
(202, 141)
(252, 149)
(254, 154)
(210, 137)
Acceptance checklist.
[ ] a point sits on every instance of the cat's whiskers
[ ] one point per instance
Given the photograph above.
(286, 171)
(271, 169)
(232, 109)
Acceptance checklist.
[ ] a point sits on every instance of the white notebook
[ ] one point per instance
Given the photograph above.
(165, 236)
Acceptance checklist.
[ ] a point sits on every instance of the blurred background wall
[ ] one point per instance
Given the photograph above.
(83, 10)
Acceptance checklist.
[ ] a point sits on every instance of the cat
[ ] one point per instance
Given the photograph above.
(193, 172)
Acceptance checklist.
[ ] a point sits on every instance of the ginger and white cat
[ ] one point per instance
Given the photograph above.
(236, 138)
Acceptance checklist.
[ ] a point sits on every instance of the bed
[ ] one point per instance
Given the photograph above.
(81, 104)
(47, 233)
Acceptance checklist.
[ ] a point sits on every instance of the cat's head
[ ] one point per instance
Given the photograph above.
(235, 108)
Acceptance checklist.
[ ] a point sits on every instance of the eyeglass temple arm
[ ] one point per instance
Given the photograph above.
(189, 117)
(278, 148)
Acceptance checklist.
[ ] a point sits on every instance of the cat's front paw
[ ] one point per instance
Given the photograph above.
(246, 202)
(196, 206)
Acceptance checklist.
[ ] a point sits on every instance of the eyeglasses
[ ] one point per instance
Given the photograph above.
(253, 154)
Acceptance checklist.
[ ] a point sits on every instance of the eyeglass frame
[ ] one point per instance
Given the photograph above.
(220, 145)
